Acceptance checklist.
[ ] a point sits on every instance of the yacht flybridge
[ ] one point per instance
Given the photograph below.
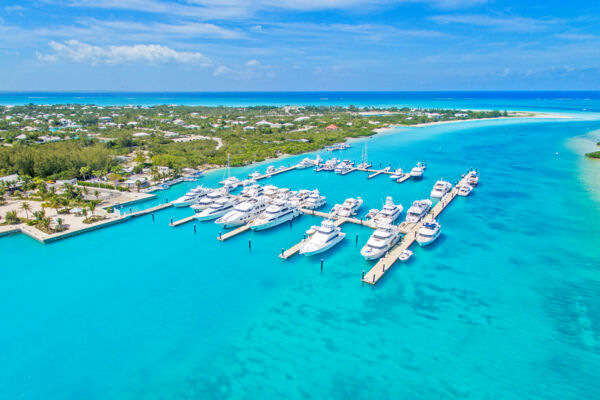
(418, 210)
(429, 232)
(191, 197)
(325, 237)
(389, 213)
(243, 213)
(348, 208)
(440, 188)
(276, 214)
(382, 240)
(219, 208)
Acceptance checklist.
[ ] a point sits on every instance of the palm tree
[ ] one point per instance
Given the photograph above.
(92, 205)
(96, 194)
(26, 207)
(46, 223)
(11, 217)
(59, 223)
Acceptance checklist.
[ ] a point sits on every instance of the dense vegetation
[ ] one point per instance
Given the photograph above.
(75, 141)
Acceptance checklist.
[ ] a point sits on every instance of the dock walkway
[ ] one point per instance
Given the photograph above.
(233, 233)
(386, 262)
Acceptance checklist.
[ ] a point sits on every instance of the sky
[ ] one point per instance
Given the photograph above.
(299, 45)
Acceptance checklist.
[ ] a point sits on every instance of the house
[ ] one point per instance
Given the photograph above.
(22, 136)
(141, 134)
(332, 127)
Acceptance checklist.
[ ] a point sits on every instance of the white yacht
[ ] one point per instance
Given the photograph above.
(277, 213)
(382, 240)
(473, 178)
(465, 190)
(217, 209)
(329, 165)
(255, 175)
(325, 237)
(417, 171)
(254, 190)
(231, 181)
(305, 163)
(372, 213)
(270, 190)
(207, 200)
(271, 169)
(315, 200)
(389, 213)
(440, 188)
(398, 173)
(243, 213)
(191, 197)
(343, 167)
(348, 208)
(428, 232)
(418, 210)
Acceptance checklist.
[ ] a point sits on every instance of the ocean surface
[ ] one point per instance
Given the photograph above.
(504, 305)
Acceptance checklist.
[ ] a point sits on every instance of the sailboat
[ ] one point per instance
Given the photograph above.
(364, 164)
(230, 180)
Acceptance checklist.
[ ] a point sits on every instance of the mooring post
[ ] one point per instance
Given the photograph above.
(152, 217)
(249, 244)
(194, 229)
(321, 264)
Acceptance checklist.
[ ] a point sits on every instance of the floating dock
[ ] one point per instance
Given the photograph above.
(183, 221)
(375, 172)
(386, 262)
(404, 178)
(233, 233)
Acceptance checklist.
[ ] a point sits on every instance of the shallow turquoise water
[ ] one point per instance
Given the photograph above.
(504, 306)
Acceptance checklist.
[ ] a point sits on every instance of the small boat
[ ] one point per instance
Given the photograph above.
(405, 255)
(429, 232)
(329, 165)
(465, 190)
(208, 200)
(417, 171)
(255, 175)
(473, 178)
(325, 237)
(372, 213)
(440, 188)
(271, 169)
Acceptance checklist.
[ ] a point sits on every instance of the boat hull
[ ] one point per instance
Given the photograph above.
(323, 249)
(426, 242)
(211, 216)
(273, 223)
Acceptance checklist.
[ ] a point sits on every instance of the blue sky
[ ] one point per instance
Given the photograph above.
(279, 45)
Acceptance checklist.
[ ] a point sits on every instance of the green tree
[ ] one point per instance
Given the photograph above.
(26, 207)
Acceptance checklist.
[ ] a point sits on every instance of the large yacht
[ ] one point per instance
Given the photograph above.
(270, 190)
(315, 200)
(277, 213)
(191, 197)
(243, 213)
(305, 163)
(397, 174)
(325, 237)
(231, 181)
(440, 188)
(418, 210)
(329, 165)
(382, 240)
(348, 208)
(207, 200)
(417, 171)
(389, 213)
(343, 167)
(271, 169)
(254, 190)
(217, 209)
(428, 232)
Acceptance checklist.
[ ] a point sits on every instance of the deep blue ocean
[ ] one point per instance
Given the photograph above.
(505, 305)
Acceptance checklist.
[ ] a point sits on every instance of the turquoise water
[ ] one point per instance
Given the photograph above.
(505, 305)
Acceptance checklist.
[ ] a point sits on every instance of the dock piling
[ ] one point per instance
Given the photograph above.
(249, 244)
(171, 220)
(356, 241)
(220, 236)
(194, 229)
(282, 251)
(152, 217)
(321, 264)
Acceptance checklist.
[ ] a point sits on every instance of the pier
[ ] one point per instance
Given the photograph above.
(404, 178)
(386, 262)
(376, 172)
(183, 220)
(233, 233)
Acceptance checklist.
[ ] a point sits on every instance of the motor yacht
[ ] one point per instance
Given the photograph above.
(275, 214)
(254, 190)
(231, 181)
(305, 163)
(382, 240)
(271, 169)
(397, 174)
(418, 210)
(207, 200)
(465, 190)
(417, 171)
(315, 200)
(217, 209)
(389, 213)
(255, 175)
(325, 237)
(428, 232)
(440, 188)
(243, 213)
(348, 208)
(191, 197)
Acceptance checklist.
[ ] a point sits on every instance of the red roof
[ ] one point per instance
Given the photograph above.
(331, 127)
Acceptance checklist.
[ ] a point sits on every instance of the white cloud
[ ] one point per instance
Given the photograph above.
(15, 8)
(73, 50)
(221, 70)
(253, 63)
(576, 36)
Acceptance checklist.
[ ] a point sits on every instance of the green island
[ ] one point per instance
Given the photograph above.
(81, 141)
(594, 154)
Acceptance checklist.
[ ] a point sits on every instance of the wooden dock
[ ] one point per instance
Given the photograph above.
(233, 233)
(375, 172)
(279, 171)
(149, 210)
(348, 171)
(387, 262)
(404, 178)
(184, 220)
